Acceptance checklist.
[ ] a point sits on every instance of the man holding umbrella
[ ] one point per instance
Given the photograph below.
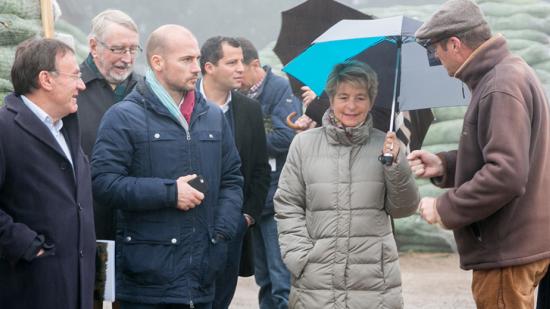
(497, 204)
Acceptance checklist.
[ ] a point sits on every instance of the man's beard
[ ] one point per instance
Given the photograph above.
(114, 78)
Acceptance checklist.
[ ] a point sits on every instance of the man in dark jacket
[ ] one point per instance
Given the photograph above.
(107, 73)
(275, 95)
(222, 69)
(498, 202)
(172, 226)
(47, 240)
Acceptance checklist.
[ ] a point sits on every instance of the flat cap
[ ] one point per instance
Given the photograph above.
(453, 17)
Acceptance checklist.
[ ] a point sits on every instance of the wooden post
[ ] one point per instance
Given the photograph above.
(46, 12)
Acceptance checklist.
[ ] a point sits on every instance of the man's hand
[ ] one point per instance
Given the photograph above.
(188, 197)
(304, 123)
(307, 96)
(424, 164)
(428, 210)
(249, 220)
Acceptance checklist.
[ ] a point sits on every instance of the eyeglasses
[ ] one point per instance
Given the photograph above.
(430, 45)
(73, 76)
(118, 50)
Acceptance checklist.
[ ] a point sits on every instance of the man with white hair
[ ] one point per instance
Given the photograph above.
(107, 73)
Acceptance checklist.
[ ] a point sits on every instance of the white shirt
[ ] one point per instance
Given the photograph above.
(55, 128)
(225, 106)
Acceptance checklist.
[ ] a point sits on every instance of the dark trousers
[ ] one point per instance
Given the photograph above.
(226, 284)
(129, 305)
(543, 298)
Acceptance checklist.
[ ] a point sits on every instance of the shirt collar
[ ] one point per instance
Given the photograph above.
(42, 115)
(224, 106)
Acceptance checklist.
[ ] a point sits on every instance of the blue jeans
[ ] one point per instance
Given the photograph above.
(227, 282)
(270, 272)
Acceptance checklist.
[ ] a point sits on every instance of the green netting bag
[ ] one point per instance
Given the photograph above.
(28, 9)
(526, 34)
(5, 85)
(535, 54)
(508, 9)
(7, 55)
(445, 132)
(14, 29)
(519, 21)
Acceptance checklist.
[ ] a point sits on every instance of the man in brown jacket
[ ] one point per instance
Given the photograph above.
(499, 177)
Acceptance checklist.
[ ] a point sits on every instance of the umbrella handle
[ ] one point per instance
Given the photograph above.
(386, 159)
(290, 123)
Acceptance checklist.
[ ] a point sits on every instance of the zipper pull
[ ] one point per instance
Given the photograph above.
(191, 305)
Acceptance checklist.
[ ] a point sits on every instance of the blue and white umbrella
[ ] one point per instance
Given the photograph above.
(409, 80)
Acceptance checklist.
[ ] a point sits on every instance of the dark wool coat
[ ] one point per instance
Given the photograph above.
(165, 255)
(92, 104)
(251, 144)
(41, 194)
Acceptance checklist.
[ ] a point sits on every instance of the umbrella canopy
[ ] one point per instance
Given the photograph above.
(307, 21)
(303, 23)
(299, 27)
(388, 45)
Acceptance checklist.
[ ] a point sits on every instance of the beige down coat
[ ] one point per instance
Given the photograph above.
(332, 208)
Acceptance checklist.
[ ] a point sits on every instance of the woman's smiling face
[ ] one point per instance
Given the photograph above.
(351, 103)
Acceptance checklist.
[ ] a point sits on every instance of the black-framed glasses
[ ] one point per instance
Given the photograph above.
(430, 46)
(119, 50)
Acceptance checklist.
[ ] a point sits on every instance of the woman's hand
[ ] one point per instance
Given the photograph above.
(391, 145)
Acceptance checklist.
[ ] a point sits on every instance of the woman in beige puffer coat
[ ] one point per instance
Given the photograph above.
(334, 200)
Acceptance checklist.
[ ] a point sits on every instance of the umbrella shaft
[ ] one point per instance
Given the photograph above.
(397, 64)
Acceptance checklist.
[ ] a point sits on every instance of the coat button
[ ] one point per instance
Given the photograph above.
(157, 135)
(128, 238)
(174, 241)
(81, 253)
(210, 135)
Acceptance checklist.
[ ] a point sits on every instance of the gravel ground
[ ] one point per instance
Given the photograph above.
(430, 281)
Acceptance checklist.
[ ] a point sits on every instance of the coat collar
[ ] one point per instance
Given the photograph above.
(482, 60)
(28, 121)
(356, 136)
(154, 104)
(90, 73)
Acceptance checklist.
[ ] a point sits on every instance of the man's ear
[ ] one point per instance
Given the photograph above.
(256, 63)
(45, 80)
(456, 44)
(209, 67)
(92, 44)
(157, 63)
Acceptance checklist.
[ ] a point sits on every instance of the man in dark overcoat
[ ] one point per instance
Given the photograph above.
(47, 239)
(222, 70)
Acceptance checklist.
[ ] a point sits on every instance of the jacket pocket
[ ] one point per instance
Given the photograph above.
(214, 262)
(148, 262)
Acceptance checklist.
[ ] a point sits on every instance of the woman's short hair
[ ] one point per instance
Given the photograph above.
(354, 72)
